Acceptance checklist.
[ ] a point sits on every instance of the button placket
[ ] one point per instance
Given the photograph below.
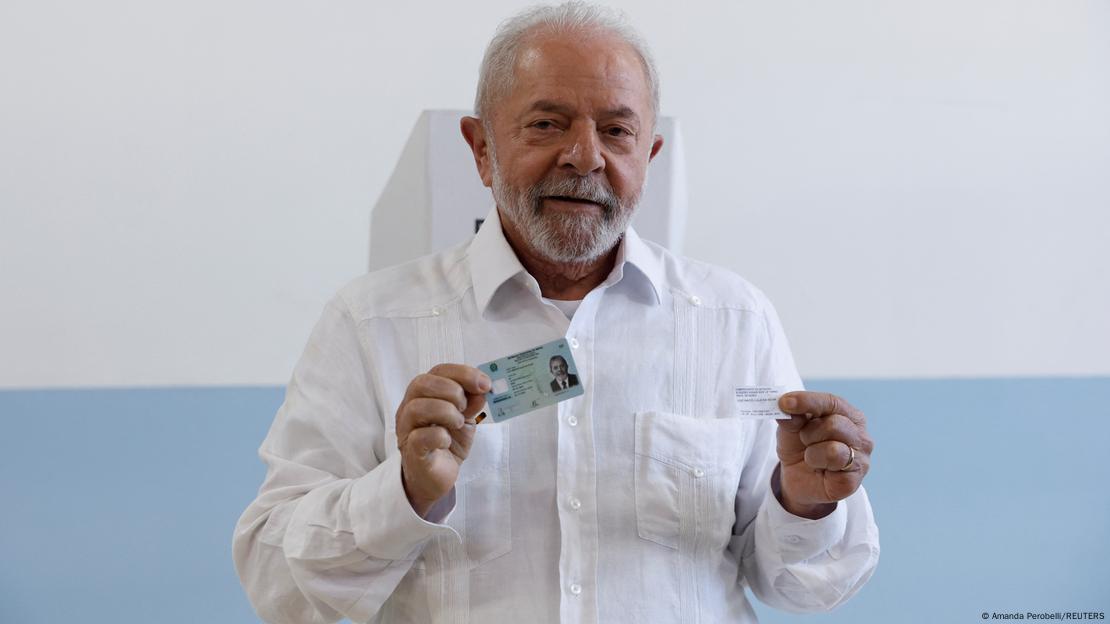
(577, 477)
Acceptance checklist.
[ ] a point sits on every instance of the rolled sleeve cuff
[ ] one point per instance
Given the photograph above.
(384, 522)
(799, 539)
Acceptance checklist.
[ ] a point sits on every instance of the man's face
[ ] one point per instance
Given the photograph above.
(570, 145)
(559, 369)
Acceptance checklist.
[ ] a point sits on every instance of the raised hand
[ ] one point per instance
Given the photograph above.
(824, 451)
(435, 428)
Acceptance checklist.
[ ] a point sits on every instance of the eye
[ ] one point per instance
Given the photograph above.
(544, 124)
(618, 131)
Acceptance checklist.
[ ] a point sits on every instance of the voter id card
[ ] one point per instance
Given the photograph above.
(531, 379)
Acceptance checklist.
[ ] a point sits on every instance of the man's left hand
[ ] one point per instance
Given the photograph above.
(824, 452)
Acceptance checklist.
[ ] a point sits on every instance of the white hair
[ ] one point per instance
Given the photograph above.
(495, 77)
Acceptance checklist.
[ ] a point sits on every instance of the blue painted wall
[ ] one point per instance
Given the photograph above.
(990, 495)
(118, 505)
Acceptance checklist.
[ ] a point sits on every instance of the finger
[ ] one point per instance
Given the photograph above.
(474, 403)
(795, 423)
(818, 404)
(837, 427)
(432, 386)
(422, 412)
(809, 403)
(789, 447)
(424, 440)
(471, 379)
(830, 455)
(462, 439)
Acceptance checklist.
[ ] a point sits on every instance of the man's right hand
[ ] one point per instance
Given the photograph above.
(435, 427)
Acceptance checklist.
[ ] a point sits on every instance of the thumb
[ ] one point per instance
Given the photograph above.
(474, 404)
(794, 424)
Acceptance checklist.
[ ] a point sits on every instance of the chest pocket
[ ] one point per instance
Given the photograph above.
(687, 471)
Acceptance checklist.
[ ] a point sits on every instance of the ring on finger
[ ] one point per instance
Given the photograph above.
(851, 460)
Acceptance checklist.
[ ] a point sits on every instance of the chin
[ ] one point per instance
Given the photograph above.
(575, 246)
(575, 238)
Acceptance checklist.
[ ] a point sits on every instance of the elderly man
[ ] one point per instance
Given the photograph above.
(648, 498)
(561, 377)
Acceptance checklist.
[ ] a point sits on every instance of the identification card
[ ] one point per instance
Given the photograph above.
(529, 380)
(759, 402)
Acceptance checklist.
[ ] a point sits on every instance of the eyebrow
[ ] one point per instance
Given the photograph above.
(621, 112)
(550, 106)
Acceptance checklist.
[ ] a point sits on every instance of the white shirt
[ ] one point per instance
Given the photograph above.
(643, 500)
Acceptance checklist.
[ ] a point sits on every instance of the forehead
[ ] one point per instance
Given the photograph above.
(591, 71)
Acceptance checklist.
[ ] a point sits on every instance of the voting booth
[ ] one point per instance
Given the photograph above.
(435, 199)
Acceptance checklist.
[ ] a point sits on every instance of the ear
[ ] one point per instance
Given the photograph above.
(475, 134)
(656, 145)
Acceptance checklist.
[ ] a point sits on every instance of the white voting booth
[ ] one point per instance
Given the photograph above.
(434, 199)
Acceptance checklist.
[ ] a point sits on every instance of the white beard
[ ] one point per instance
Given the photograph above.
(562, 237)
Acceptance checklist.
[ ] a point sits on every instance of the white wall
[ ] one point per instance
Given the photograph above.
(922, 187)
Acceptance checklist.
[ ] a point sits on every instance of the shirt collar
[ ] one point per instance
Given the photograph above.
(636, 253)
(493, 262)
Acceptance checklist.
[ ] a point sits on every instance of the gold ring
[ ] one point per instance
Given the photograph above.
(851, 460)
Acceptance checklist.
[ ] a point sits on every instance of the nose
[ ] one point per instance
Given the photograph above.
(583, 150)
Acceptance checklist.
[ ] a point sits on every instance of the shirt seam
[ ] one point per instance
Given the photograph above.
(717, 306)
(422, 311)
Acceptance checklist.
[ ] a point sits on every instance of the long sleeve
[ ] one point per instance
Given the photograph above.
(629, 502)
(331, 532)
(793, 563)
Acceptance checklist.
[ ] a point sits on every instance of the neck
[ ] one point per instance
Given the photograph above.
(559, 280)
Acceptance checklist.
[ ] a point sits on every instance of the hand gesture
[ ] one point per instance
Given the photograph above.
(824, 451)
(435, 427)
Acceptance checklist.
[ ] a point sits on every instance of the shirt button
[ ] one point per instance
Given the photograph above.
(436, 311)
(575, 588)
(572, 420)
(793, 539)
(574, 503)
(573, 343)
(699, 473)
(696, 300)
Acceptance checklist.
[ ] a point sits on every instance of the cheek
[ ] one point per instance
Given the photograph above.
(527, 166)
(626, 181)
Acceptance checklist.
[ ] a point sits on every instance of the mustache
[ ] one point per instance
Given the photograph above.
(588, 189)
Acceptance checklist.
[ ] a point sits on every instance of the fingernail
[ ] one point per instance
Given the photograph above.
(789, 403)
(484, 383)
